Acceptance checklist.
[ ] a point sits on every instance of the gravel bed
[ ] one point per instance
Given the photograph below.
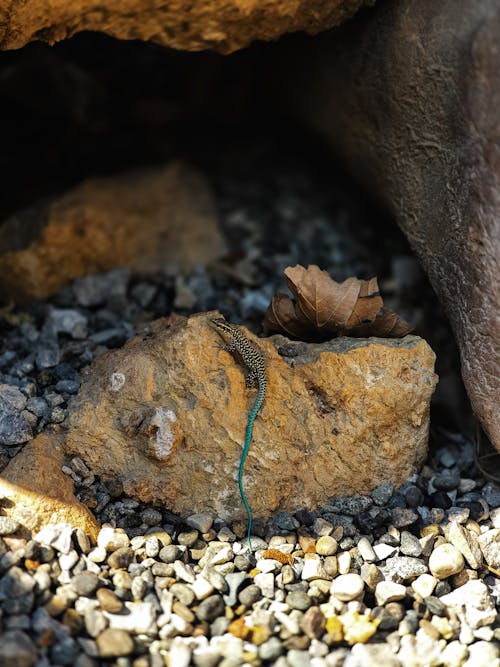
(407, 576)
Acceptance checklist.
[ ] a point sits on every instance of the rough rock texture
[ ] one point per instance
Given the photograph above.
(408, 94)
(35, 492)
(220, 25)
(166, 415)
(145, 220)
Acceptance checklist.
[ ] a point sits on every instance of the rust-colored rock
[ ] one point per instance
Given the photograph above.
(144, 220)
(408, 95)
(35, 492)
(219, 25)
(166, 416)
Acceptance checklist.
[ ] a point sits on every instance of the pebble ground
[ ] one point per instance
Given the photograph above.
(407, 576)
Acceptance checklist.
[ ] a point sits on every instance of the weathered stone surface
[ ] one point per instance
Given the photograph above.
(220, 25)
(408, 95)
(35, 492)
(166, 416)
(141, 219)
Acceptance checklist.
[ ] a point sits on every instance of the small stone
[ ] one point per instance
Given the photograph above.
(313, 567)
(97, 555)
(458, 514)
(8, 526)
(383, 550)
(414, 496)
(170, 553)
(402, 568)
(466, 543)
(201, 521)
(202, 588)
(17, 649)
(183, 593)
(95, 621)
(112, 539)
(326, 545)
(113, 643)
(410, 545)
(188, 538)
(322, 527)
(489, 543)
(445, 561)
(136, 618)
(14, 428)
(366, 550)
(424, 585)
(371, 575)
(210, 608)
(403, 517)
(483, 654)
(344, 562)
(121, 558)
(473, 600)
(388, 591)
(109, 601)
(347, 587)
(15, 583)
(249, 595)
(382, 494)
(297, 658)
(447, 480)
(265, 581)
(234, 581)
(184, 572)
(271, 649)
(313, 623)
(298, 600)
(85, 583)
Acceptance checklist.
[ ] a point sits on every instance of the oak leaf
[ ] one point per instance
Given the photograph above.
(324, 308)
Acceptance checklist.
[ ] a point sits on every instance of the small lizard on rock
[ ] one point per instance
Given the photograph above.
(253, 359)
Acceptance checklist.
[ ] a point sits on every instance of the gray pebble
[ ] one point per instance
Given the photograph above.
(183, 593)
(151, 517)
(403, 517)
(402, 568)
(382, 494)
(202, 522)
(249, 595)
(17, 649)
(298, 658)
(271, 649)
(14, 428)
(234, 581)
(298, 600)
(410, 545)
(170, 553)
(188, 538)
(85, 583)
(64, 651)
(210, 608)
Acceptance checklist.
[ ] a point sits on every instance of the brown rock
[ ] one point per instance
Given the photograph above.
(220, 25)
(166, 415)
(36, 492)
(141, 219)
(408, 96)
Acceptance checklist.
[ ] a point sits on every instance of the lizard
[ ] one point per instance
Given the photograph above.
(253, 359)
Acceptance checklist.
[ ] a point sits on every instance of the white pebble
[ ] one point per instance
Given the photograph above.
(389, 591)
(202, 588)
(347, 587)
(383, 550)
(445, 560)
(424, 585)
(313, 568)
(265, 581)
(344, 562)
(366, 550)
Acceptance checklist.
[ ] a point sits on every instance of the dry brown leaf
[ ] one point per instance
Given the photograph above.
(368, 305)
(324, 308)
(387, 324)
(324, 302)
(282, 316)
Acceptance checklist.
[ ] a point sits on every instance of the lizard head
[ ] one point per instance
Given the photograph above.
(220, 325)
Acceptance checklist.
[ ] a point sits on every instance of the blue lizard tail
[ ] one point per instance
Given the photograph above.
(246, 447)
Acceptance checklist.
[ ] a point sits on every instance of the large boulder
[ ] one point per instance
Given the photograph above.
(408, 95)
(218, 25)
(166, 416)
